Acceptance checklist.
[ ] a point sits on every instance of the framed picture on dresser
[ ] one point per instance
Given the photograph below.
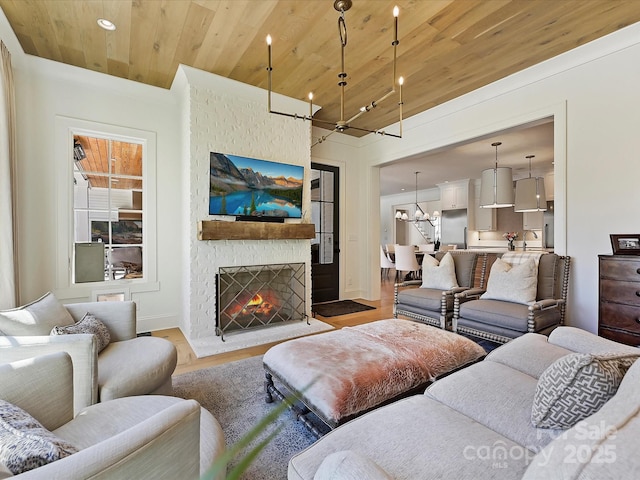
(628, 244)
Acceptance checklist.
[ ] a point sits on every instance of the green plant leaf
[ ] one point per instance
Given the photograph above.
(251, 455)
(220, 465)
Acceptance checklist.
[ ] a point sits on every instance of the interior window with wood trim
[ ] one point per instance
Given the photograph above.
(108, 209)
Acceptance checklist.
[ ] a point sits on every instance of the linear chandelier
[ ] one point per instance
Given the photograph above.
(420, 215)
(344, 124)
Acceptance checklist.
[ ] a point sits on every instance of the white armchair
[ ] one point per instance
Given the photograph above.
(141, 437)
(129, 365)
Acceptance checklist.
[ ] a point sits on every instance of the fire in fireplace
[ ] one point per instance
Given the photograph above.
(259, 296)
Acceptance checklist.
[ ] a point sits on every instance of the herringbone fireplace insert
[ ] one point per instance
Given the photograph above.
(258, 296)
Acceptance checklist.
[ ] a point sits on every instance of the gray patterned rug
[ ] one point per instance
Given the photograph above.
(234, 394)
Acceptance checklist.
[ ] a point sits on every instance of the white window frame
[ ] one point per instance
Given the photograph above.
(65, 129)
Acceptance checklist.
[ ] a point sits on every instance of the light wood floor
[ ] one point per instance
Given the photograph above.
(187, 360)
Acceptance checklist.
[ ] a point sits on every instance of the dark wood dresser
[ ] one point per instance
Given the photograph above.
(619, 315)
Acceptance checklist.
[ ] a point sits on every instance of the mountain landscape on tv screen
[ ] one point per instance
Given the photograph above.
(262, 189)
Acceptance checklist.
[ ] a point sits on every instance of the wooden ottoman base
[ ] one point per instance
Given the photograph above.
(341, 374)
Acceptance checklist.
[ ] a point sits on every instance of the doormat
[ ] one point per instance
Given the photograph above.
(340, 307)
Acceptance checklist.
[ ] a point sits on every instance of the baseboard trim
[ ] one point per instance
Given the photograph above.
(159, 322)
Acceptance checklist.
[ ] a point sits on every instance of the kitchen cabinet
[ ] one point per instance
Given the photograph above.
(454, 195)
(619, 290)
(532, 220)
(486, 219)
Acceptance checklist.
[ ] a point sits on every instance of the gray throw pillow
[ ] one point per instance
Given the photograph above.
(25, 444)
(88, 324)
(576, 386)
(36, 318)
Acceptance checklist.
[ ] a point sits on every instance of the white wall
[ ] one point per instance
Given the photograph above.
(592, 93)
(343, 152)
(46, 90)
(229, 117)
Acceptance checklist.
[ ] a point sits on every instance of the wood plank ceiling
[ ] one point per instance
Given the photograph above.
(115, 161)
(447, 47)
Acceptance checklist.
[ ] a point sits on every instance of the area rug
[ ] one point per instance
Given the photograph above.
(204, 347)
(234, 394)
(341, 307)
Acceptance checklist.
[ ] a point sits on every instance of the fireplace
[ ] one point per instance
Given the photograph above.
(258, 296)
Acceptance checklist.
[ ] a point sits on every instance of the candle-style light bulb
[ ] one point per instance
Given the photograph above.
(269, 69)
(310, 96)
(396, 12)
(401, 81)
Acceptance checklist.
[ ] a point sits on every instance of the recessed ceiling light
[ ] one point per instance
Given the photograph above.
(106, 24)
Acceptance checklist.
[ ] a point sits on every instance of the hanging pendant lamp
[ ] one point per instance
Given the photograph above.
(496, 185)
(530, 194)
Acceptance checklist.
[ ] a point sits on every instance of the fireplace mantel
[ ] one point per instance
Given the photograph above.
(221, 230)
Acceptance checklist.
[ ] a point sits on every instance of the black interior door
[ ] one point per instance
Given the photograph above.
(325, 248)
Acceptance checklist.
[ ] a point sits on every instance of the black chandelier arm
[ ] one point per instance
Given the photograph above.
(324, 137)
(327, 122)
(382, 133)
(292, 115)
(371, 105)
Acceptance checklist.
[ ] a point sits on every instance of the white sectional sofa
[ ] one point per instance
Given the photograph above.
(477, 422)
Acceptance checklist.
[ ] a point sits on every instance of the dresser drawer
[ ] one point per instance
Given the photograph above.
(620, 336)
(618, 316)
(619, 292)
(627, 270)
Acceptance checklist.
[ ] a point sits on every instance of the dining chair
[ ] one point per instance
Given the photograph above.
(426, 247)
(406, 260)
(385, 263)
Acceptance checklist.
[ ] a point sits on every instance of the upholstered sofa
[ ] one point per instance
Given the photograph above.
(478, 422)
(432, 302)
(127, 365)
(140, 437)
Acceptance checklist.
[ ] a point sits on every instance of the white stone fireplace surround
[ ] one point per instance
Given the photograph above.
(226, 116)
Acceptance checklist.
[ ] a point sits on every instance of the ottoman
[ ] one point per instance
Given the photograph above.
(341, 374)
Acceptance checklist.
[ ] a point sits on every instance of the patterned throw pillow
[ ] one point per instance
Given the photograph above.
(440, 275)
(25, 444)
(512, 283)
(88, 324)
(36, 318)
(576, 386)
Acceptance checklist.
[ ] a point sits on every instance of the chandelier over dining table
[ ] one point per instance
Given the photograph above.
(343, 124)
(420, 215)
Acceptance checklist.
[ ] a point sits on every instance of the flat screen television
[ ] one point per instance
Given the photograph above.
(248, 188)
